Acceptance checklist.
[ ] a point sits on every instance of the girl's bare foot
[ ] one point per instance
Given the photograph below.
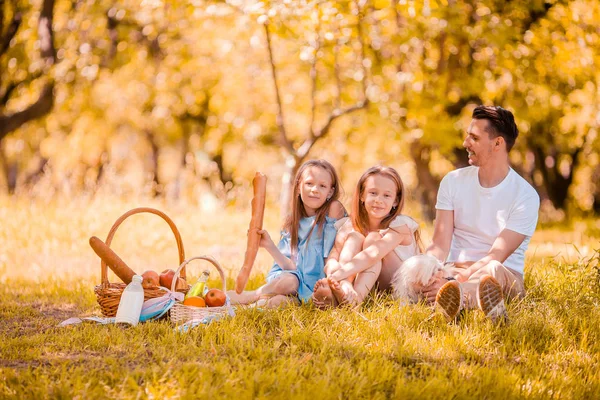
(242, 298)
(322, 296)
(343, 292)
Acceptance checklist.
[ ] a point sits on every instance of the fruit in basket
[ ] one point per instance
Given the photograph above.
(150, 279)
(195, 301)
(215, 298)
(166, 278)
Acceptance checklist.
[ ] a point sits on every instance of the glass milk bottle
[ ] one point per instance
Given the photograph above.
(132, 300)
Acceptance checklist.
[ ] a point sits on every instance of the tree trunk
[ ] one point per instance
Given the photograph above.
(185, 148)
(43, 105)
(428, 184)
(596, 180)
(461, 157)
(154, 150)
(287, 180)
(34, 176)
(556, 185)
(10, 171)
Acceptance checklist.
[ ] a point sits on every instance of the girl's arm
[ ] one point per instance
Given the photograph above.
(375, 252)
(267, 243)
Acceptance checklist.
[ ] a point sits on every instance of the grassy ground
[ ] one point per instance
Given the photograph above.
(550, 349)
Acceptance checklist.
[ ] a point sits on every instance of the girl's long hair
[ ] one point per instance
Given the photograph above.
(360, 219)
(292, 223)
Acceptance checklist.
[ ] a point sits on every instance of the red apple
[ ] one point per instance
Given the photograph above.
(150, 279)
(166, 278)
(215, 298)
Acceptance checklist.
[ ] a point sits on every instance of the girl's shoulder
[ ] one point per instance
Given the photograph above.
(344, 222)
(336, 210)
(401, 220)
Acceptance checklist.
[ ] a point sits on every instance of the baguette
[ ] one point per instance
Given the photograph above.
(256, 222)
(111, 259)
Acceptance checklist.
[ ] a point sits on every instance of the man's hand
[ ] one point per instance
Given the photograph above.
(464, 275)
(429, 292)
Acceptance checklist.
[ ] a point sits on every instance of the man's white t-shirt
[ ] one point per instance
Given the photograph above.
(480, 214)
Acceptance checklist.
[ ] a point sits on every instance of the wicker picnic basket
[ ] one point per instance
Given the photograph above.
(181, 313)
(109, 294)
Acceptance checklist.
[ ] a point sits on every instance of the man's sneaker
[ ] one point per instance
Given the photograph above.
(449, 298)
(490, 298)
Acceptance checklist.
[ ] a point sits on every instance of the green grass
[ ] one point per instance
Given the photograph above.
(550, 348)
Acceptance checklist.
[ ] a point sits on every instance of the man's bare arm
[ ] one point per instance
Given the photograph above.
(505, 244)
(440, 246)
(442, 234)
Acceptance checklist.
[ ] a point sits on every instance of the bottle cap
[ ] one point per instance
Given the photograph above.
(137, 278)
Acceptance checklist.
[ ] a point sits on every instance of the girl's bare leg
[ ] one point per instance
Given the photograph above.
(285, 284)
(343, 291)
(365, 280)
(279, 301)
(390, 264)
(352, 246)
(323, 295)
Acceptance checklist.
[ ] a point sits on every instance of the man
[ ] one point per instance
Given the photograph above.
(485, 216)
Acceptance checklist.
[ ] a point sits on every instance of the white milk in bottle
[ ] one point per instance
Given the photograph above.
(132, 300)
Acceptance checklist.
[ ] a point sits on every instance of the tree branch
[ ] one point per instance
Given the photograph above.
(45, 32)
(6, 95)
(279, 120)
(336, 74)
(45, 101)
(304, 149)
(536, 15)
(41, 107)
(313, 78)
(10, 32)
(400, 20)
(112, 23)
(363, 57)
(113, 35)
(13, 85)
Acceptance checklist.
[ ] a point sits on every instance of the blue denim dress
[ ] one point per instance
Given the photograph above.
(310, 259)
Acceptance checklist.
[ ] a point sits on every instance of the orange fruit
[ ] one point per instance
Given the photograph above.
(194, 301)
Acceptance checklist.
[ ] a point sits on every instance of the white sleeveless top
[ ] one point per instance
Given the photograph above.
(403, 251)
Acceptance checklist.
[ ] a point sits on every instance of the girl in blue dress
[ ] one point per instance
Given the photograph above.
(306, 239)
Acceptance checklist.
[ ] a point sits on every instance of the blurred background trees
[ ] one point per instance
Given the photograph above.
(187, 99)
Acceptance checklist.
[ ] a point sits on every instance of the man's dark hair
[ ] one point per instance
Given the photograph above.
(501, 123)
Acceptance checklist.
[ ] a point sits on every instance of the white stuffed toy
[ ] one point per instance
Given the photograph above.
(414, 274)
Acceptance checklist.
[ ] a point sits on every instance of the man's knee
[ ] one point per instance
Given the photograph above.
(511, 281)
(493, 268)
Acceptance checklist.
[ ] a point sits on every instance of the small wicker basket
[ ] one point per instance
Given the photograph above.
(109, 294)
(181, 313)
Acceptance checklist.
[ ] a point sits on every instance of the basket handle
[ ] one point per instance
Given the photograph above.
(113, 230)
(206, 258)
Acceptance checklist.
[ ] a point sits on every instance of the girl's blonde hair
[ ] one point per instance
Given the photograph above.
(360, 219)
(292, 223)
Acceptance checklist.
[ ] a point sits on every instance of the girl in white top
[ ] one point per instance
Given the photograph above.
(371, 246)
